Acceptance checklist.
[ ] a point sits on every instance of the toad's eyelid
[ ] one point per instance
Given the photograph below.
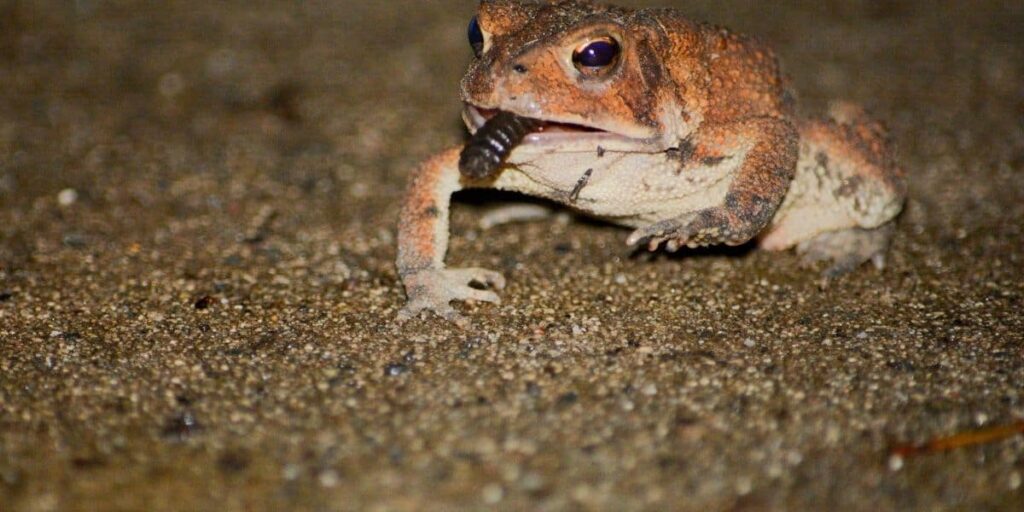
(591, 40)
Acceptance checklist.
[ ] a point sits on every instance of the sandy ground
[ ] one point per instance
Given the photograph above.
(197, 216)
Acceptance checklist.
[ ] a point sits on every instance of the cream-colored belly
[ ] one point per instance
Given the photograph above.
(632, 189)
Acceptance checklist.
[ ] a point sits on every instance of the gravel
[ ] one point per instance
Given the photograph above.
(197, 213)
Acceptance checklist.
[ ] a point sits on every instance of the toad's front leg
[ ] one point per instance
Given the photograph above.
(423, 241)
(756, 191)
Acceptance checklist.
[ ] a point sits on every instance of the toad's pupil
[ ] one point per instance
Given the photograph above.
(597, 54)
(476, 36)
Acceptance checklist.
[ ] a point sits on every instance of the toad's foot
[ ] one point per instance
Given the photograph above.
(654, 234)
(433, 289)
(697, 229)
(847, 249)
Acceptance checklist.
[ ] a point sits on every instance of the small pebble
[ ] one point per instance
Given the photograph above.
(291, 472)
(328, 478)
(74, 240)
(493, 493)
(533, 481)
(895, 463)
(744, 485)
(395, 369)
(203, 302)
(582, 492)
(181, 427)
(67, 197)
(171, 85)
(567, 399)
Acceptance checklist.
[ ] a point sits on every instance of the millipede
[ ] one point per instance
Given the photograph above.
(487, 150)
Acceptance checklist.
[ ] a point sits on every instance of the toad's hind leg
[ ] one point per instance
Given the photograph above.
(846, 192)
(847, 249)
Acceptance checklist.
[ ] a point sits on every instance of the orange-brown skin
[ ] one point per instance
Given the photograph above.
(860, 139)
(692, 96)
(422, 204)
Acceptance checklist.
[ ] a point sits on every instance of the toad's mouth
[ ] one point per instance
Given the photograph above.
(553, 132)
(497, 133)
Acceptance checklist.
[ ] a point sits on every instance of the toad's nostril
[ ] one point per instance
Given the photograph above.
(519, 68)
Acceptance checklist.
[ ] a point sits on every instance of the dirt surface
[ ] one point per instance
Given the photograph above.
(197, 216)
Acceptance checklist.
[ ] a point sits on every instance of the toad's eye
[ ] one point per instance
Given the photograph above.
(476, 36)
(594, 56)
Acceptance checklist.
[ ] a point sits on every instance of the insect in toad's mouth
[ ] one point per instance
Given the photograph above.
(499, 132)
(493, 142)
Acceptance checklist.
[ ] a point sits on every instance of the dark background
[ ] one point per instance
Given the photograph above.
(197, 210)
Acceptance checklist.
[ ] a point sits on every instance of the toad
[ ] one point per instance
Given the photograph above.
(680, 130)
